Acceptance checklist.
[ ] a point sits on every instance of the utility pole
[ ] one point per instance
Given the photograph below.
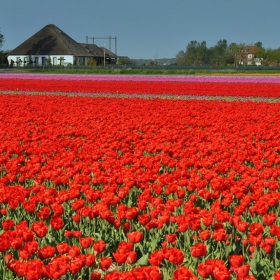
(104, 55)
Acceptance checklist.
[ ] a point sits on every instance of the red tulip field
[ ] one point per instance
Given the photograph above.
(171, 85)
(133, 188)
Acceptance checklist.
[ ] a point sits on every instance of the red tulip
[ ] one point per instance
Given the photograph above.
(63, 248)
(171, 238)
(269, 219)
(105, 263)
(78, 204)
(126, 227)
(90, 260)
(57, 209)
(204, 270)
(75, 265)
(174, 255)
(242, 226)
(277, 275)
(120, 258)
(221, 274)
(131, 257)
(198, 250)
(256, 229)
(74, 251)
(131, 213)
(184, 273)
(8, 224)
(3, 211)
(236, 260)
(275, 230)
(46, 252)
(44, 213)
(242, 271)
(156, 257)
(34, 270)
(135, 236)
(220, 235)
(57, 223)
(99, 246)
(40, 229)
(95, 276)
(17, 243)
(205, 234)
(86, 242)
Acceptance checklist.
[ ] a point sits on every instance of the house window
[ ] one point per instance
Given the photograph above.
(25, 59)
(19, 61)
(61, 60)
(43, 60)
(36, 60)
(54, 60)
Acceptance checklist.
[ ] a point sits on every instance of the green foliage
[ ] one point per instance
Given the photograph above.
(125, 61)
(3, 57)
(121, 61)
(196, 53)
(91, 62)
(2, 39)
(49, 61)
(223, 54)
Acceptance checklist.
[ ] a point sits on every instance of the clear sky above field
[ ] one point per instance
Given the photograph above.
(145, 29)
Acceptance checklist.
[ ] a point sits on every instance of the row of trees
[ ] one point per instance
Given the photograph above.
(1, 39)
(3, 54)
(222, 54)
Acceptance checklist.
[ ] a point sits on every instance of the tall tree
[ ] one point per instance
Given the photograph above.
(258, 45)
(196, 53)
(271, 57)
(236, 52)
(260, 50)
(2, 39)
(180, 58)
(219, 52)
(191, 53)
(202, 53)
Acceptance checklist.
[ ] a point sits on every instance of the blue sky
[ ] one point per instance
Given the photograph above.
(147, 28)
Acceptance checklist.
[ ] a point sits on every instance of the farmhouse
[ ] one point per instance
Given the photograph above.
(52, 46)
(248, 56)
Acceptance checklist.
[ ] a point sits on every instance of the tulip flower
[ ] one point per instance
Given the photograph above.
(135, 236)
(99, 246)
(105, 263)
(198, 250)
(236, 260)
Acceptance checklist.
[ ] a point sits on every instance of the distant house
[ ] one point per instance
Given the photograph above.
(51, 46)
(248, 56)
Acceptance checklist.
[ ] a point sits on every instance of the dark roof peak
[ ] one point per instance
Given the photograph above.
(50, 40)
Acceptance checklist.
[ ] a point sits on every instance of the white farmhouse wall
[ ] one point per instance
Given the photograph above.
(40, 60)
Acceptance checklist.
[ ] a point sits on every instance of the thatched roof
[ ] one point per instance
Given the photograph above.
(93, 49)
(107, 52)
(50, 40)
(97, 51)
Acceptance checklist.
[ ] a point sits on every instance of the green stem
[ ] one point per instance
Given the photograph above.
(275, 254)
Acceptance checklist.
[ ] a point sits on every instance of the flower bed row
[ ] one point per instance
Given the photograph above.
(172, 88)
(200, 86)
(95, 188)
